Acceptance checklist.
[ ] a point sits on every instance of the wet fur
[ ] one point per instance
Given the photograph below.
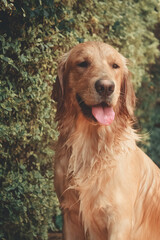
(107, 187)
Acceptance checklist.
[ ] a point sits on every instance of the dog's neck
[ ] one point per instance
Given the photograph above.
(93, 146)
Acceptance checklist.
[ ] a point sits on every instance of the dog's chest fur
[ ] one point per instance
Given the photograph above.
(92, 164)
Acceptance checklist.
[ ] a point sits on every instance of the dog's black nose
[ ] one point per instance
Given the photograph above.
(104, 87)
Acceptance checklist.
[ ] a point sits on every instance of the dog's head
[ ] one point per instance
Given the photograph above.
(93, 79)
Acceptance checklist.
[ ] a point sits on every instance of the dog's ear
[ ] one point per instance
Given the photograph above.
(58, 86)
(128, 98)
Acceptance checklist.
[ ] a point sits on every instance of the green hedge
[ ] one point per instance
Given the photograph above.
(32, 37)
(27, 129)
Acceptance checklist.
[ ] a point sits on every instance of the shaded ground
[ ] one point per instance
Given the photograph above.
(55, 236)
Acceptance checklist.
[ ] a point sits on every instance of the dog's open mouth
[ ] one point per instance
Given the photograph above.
(101, 113)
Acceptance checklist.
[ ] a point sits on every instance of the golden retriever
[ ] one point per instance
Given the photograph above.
(107, 187)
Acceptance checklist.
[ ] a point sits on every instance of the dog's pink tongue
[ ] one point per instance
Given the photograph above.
(104, 115)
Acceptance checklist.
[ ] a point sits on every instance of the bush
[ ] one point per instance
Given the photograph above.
(33, 35)
(27, 132)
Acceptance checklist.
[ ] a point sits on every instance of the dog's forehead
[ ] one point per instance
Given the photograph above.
(94, 50)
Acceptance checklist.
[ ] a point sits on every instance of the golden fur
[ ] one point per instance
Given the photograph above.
(107, 187)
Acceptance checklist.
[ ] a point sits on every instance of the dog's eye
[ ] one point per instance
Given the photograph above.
(83, 64)
(115, 66)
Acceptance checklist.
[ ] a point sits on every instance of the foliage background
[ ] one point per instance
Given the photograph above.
(33, 34)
